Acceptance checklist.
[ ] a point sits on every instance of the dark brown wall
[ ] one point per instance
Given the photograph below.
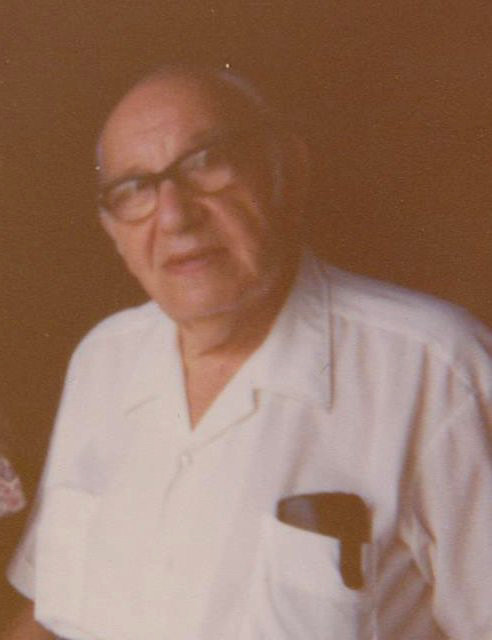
(394, 95)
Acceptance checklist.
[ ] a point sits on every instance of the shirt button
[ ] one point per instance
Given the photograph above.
(186, 460)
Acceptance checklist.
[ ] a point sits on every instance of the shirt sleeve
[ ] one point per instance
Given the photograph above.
(21, 569)
(71, 433)
(450, 509)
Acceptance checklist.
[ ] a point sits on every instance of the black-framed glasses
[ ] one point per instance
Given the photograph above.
(206, 169)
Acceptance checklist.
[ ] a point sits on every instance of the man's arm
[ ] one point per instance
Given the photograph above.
(25, 627)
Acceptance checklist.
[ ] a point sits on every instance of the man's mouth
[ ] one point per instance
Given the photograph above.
(192, 261)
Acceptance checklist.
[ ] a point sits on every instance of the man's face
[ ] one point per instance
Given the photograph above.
(197, 254)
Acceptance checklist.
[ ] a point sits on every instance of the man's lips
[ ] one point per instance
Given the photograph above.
(192, 261)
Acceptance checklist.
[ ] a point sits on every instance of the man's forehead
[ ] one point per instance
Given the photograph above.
(170, 104)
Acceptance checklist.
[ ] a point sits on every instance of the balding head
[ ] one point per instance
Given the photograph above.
(233, 93)
(237, 102)
(235, 99)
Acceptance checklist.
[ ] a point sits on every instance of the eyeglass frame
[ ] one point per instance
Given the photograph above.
(171, 172)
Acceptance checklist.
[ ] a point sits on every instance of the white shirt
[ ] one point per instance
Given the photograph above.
(148, 530)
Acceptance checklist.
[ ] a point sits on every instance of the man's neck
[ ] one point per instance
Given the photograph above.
(213, 348)
(237, 332)
(231, 334)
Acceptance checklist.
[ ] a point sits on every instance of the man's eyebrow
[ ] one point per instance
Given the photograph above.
(131, 172)
(204, 138)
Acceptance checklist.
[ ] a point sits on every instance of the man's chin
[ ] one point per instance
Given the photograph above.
(217, 305)
(188, 312)
(201, 301)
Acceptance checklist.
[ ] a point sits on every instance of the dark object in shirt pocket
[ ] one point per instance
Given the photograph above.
(344, 516)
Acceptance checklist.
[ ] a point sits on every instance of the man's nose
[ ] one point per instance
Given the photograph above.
(174, 210)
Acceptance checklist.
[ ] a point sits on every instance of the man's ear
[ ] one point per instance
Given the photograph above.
(108, 224)
(296, 179)
(302, 168)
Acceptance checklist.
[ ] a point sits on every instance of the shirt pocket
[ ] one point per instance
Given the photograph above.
(61, 556)
(298, 591)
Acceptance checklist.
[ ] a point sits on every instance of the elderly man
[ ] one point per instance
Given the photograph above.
(271, 448)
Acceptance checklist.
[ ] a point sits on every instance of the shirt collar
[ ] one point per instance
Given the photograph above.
(157, 366)
(295, 359)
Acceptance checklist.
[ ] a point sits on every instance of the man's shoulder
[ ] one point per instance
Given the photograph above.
(395, 308)
(378, 308)
(124, 329)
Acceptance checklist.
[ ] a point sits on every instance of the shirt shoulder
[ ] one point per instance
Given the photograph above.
(116, 343)
(124, 327)
(445, 330)
(394, 307)
(131, 320)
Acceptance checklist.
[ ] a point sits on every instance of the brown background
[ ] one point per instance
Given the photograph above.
(395, 97)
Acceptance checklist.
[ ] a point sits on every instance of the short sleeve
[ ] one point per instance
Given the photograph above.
(21, 569)
(450, 513)
(63, 449)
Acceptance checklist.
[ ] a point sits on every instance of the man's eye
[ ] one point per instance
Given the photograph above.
(209, 158)
(209, 170)
(124, 192)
